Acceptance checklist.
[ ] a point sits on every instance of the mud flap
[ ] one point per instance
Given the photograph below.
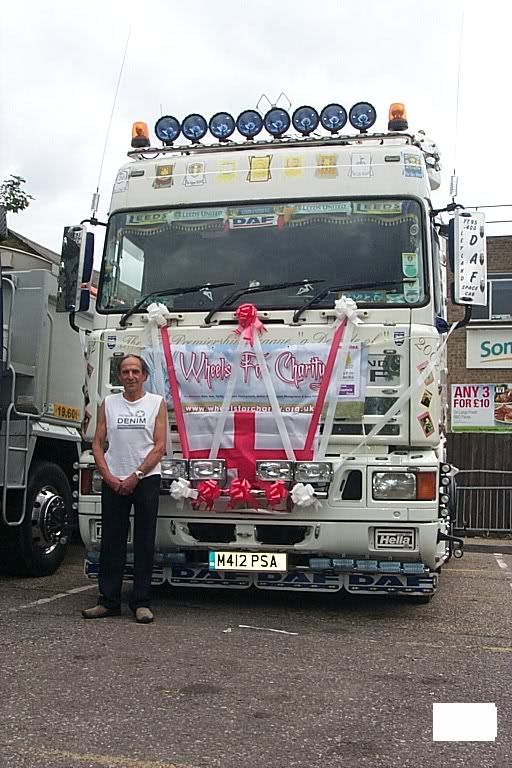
(390, 583)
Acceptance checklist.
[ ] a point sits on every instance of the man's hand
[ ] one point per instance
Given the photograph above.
(113, 482)
(128, 485)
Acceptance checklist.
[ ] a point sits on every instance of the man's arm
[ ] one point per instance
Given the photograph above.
(98, 445)
(155, 454)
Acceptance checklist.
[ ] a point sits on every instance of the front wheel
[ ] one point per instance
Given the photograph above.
(38, 546)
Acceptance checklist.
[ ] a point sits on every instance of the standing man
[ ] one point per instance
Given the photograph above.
(134, 423)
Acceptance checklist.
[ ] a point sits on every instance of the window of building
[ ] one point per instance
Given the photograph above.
(499, 299)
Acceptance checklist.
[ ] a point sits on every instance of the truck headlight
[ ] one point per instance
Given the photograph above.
(394, 486)
(173, 469)
(207, 469)
(274, 470)
(313, 472)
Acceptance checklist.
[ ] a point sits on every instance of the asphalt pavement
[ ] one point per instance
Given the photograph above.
(224, 679)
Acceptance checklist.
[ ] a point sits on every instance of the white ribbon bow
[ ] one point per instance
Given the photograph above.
(181, 490)
(303, 495)
(157, 314)
(346, 307)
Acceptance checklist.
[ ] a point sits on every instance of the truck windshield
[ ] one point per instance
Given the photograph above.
(339, 242)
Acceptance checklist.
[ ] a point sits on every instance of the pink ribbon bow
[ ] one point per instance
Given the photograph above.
(239, 490)
(248, 322)
(276, 493)
(207, 492)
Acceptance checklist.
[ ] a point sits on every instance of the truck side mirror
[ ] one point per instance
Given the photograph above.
(77, 257)
(468, 257)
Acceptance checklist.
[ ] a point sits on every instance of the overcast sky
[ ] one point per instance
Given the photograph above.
(60, 64)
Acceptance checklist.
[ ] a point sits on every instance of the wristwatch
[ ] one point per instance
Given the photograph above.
(139, 474)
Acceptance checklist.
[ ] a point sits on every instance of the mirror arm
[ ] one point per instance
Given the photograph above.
(468, 311)
(95, 222)
(74, 326)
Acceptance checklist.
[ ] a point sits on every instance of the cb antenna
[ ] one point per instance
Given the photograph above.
(454, 181)
(96, 196)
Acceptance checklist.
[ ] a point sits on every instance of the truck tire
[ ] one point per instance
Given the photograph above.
(38, 546)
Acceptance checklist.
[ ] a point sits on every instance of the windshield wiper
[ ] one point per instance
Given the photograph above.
(170, 292)
(255, 289)
(337, 288)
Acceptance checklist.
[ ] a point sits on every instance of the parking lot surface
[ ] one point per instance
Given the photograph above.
(253, 679)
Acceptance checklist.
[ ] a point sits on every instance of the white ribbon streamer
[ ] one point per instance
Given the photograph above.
(303, 495)
(276, 410)
(181, 490)
(271, 393)
(157, 317)
(417, 384)
(344, 308)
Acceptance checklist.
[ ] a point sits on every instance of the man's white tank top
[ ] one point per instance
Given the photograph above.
(130, 431)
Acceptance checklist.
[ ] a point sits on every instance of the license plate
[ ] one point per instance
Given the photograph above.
(248, 561)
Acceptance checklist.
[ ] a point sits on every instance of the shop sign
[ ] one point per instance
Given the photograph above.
(489, 348)
(481, 408)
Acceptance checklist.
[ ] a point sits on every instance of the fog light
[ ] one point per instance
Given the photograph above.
(342, 564)
(174, 469)
(313, 472)
(202, 469)
(394, 486)
(367, 565)
(390, 566)
(274, 470)
(320, 563)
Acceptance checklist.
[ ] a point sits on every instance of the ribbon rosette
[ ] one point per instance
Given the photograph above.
(248, 322)
(276, 493)
(207, 492)
(303, 495)
(345, 307)
(157, 314)
(239, 490)
(181, 490)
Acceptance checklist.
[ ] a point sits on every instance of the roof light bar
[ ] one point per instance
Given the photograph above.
(362, 116)
(249, 123)
(167, 129)
(194, 127)
(305, 120)
(222, 125)
(277, 122)
(333, 117)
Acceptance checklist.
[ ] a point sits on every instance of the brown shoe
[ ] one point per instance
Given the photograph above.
(143, 616)
(100, 612)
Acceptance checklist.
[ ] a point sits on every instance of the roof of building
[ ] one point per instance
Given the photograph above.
(15, 240)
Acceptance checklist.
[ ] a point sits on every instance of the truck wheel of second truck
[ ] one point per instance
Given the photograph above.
(41, 541)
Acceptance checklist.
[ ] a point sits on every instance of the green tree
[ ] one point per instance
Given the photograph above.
(12, 196)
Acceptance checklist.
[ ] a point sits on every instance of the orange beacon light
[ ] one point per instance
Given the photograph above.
(397, 120)
(140, 135)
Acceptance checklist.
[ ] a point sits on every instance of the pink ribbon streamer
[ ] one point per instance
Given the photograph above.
(248, 322)
(175, 392)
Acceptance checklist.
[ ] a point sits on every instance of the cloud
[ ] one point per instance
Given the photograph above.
(61, 82)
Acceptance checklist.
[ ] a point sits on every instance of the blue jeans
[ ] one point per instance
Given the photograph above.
(115, 522)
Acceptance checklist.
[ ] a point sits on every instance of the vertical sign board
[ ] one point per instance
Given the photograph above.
(470, 258)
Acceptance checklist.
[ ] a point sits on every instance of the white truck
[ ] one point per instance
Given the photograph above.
(307, 429)
(41, 402)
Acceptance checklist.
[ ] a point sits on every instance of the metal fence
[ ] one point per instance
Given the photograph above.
(483, 499)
